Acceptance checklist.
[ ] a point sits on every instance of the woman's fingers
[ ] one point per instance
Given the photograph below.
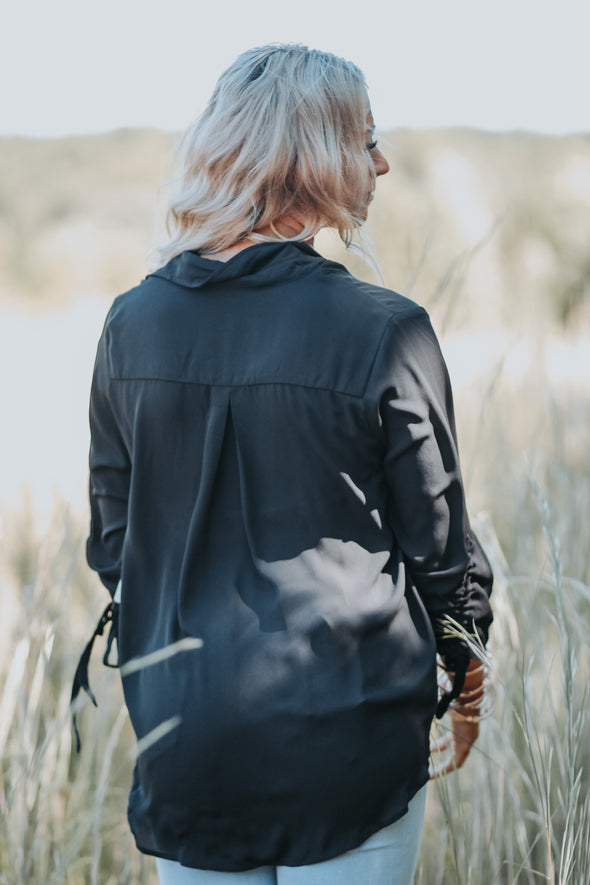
(441, 743)
(459, 741)
(464, 736)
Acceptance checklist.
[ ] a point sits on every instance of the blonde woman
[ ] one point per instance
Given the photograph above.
(274, 471)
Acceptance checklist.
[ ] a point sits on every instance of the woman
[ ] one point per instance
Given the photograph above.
(274, 471)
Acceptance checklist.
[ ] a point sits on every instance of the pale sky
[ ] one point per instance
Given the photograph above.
(71, 66)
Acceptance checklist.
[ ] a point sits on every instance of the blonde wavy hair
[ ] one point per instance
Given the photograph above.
(283, 134)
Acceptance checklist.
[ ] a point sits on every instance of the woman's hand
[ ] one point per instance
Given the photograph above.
(453, 748)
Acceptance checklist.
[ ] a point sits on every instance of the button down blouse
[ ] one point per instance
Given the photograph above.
(274, 470)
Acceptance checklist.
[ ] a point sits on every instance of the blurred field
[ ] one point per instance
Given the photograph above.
(501, 219)
(490, 233)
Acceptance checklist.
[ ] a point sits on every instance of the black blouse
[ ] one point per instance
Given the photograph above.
(274, 470)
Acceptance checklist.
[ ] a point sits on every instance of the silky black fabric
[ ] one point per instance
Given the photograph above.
(274, 470)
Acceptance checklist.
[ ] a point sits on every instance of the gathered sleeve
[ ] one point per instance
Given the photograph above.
(110, 471)
(411, 402)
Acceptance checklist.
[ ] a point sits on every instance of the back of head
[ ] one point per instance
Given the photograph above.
(283, 134)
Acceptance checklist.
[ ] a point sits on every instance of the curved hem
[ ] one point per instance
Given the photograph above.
(357, 842)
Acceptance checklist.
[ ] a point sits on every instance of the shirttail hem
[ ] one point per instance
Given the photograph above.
(356, 843)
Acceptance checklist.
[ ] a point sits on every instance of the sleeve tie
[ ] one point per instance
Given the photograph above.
(111, 613)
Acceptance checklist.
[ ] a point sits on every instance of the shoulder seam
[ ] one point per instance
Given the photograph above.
(415, 309)
(394, 318)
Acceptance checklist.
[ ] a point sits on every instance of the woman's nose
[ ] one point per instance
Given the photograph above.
(379, 161)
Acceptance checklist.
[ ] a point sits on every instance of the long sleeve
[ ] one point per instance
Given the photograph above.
(426, 509)
(110, 472)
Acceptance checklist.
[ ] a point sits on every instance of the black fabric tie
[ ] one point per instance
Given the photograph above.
(111, 613)
(456, 659)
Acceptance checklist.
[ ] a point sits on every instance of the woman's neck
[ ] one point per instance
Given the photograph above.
(285, 228)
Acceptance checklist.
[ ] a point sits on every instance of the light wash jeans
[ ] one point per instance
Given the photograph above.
(389, 857)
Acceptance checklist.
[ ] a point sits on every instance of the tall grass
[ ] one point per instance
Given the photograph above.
(520, 809)
(62, 815)
(518, 812)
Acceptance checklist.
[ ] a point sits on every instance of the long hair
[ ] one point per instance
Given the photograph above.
(283, 133)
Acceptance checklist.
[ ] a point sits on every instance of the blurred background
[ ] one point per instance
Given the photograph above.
(484, 219)
(483, 114)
